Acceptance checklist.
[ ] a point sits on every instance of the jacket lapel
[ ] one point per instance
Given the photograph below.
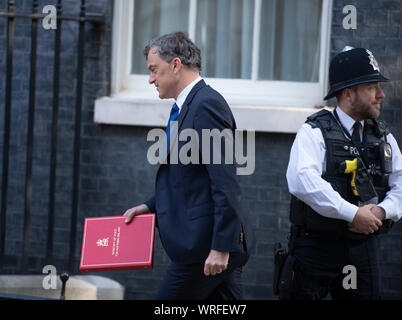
(201, 84)
(182, 114)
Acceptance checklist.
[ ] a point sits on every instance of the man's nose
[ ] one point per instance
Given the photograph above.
(151, 79)
(380, 94)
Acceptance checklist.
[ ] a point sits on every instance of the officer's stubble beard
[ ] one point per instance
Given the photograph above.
(361, 110)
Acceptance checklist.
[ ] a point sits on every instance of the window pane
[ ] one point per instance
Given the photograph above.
(153, 18)
(224, 33)
(290, 40)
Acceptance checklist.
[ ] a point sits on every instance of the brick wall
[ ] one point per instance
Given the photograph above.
(115, 174)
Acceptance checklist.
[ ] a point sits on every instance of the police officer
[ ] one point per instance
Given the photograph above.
(333, 241)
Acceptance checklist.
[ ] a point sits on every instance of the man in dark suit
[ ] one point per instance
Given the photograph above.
(201, 220)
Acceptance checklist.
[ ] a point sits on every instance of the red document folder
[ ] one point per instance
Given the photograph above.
(110, 244)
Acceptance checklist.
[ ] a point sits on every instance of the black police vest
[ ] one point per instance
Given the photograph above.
(338, 149)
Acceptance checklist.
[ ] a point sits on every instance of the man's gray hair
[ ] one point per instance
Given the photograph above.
(177, 44)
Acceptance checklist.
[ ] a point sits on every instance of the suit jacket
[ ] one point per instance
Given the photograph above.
(199, 206)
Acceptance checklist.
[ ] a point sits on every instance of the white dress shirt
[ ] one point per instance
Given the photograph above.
(183, 95)
(307, 164)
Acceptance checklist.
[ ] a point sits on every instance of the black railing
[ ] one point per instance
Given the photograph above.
(11, 15)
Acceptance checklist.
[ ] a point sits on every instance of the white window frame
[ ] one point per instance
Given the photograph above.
(270, 106)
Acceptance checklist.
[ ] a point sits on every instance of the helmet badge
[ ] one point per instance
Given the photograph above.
(373, 61)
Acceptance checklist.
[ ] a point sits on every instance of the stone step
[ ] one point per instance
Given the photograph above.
(78, 287)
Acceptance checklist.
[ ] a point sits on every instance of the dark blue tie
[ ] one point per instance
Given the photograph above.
(174, 113)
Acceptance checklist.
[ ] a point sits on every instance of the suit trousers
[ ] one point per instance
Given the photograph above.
(188, 282)
(328, 266)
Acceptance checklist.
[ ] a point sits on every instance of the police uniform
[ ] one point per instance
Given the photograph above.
(323, 202)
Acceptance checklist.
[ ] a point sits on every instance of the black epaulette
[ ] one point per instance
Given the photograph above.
(380, 127)
(313, 119)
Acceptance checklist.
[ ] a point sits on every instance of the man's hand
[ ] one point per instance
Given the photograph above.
(379, 212)
(131, 213)
(216, 262)
(365, 221)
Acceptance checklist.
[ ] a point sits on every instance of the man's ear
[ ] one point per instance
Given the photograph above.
(348, 94)
(176, 65)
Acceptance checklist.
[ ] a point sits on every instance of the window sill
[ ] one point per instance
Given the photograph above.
(131, 110)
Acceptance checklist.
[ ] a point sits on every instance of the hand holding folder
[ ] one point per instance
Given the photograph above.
(132, 212)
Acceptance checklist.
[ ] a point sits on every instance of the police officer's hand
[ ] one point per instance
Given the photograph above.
(379, 212)
(132, 212)
(365, 221)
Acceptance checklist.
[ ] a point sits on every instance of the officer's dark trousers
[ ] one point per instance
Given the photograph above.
(320, 268)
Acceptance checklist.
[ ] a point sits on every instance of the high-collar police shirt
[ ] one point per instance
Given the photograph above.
(307, 164)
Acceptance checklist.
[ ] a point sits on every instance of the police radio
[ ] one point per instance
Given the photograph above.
(386, 157)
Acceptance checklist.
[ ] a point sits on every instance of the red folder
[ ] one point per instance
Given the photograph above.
(110, 244)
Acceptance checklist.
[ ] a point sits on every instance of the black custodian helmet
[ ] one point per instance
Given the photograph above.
(352, 67)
